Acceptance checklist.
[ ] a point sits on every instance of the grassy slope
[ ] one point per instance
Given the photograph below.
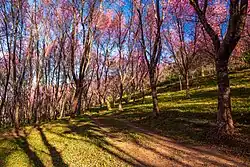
(191, 120)
(76, 142)
(79, 142)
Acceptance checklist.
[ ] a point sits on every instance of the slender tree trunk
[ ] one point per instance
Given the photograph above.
(63, 107)
(36, 100)
(17, 123)
(202, 71)
(187, 84)
(5, 92)
(108, 105)
(113, 101)
(120, 98)
(156, 110)
(0, 118)
(100, 101)
(180, 82)
(143, 95)
(224, 116)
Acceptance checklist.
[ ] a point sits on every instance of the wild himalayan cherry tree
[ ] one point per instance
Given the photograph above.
(223, 45)
(151, 36)
(104, 47)
(121, 58)
(87, 31)
(181, 33)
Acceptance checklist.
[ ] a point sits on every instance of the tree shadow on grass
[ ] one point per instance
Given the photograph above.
(182, 125)
(97, 136)
(22, 142)
(6, 149)
(171, 145)
(124, 127)
(55, 155)
(239, 92)
(98, 129)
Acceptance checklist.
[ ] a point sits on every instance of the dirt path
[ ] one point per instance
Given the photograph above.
(145, 148)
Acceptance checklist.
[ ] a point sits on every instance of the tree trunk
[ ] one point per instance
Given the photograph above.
(77, 102)
(99, 93)
(4, 94)
(202, 71)
(180, 82)
(100, 101)
(120, 99)
(63, 107)
(108, 105)
(17, 125)
(143, 94)
(224, 116)
(187, 84)
(156, 110)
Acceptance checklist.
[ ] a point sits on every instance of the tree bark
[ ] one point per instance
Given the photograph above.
(143, 96)
(202, 71)
(224, 116)
(100, 100)
(109, 108)
(120, 98)
(17, 123)
(77, 102)
(152, 58)
(156, 110)
(180, 82)
(237, 18)
(62, 113)
(187, 84)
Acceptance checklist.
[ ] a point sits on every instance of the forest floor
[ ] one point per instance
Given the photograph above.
(183, 135)
(105, 141)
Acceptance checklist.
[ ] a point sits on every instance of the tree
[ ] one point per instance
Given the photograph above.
(223, 47)
(122, 58)
(88, 33)
(182, 42)
(152, 56)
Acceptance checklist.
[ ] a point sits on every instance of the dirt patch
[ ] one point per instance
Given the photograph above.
(147, 148)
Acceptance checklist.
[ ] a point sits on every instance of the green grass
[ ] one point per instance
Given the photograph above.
(78, 142)
(194, 120)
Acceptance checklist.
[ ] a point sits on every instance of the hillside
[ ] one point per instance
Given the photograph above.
(183, 135)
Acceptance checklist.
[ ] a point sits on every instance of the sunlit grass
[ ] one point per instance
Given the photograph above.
(65, 144)
(80, 142)
(191, 119)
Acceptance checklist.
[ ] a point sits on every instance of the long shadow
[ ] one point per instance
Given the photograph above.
(191, 127)
(5, 151)
(174, 85)
(97, 135)
(188, 147)
(187, 110)
(87, 128)
(154, 150)
(22, 142)
(99, 141)
(124, 127)
(239, 92)
(55, 155)
(116, 126)
(169, 144)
